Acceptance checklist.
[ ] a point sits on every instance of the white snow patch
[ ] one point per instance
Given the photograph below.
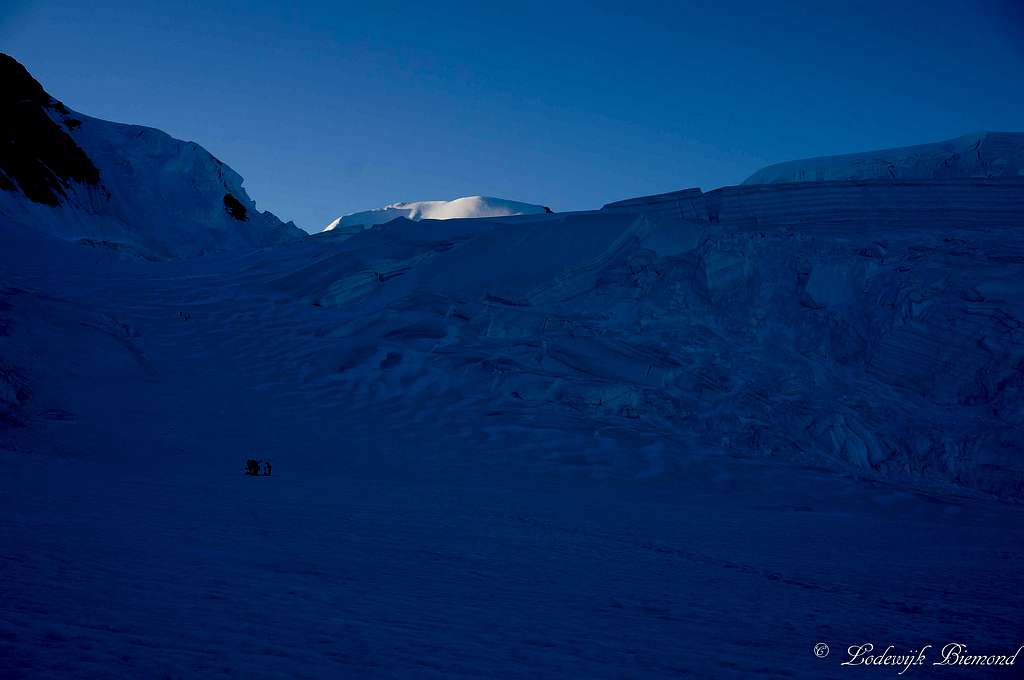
(460, 208)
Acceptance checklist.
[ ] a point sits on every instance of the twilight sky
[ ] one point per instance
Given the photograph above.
(332, 107)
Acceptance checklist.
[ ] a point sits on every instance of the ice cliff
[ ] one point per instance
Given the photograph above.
(982, 154)
(872, 326)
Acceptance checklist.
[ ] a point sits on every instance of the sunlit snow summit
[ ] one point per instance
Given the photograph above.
(459, 208)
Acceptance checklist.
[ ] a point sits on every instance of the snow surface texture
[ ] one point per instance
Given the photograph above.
(685, 434)
(460, 208)
(983, 154)
(156, 196)
(578, 445)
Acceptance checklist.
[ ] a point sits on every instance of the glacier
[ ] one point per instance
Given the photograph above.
(466, 207)
(981, 154)
(688, 433)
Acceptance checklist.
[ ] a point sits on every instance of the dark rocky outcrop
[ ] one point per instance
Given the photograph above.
(37, 155)
(235, 207)
(129, 187)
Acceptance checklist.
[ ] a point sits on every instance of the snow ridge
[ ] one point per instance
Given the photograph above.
(459, 208)
(980, 154)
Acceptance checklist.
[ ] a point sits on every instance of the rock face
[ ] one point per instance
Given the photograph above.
(37, 156)
(129, 187)
(982, 154)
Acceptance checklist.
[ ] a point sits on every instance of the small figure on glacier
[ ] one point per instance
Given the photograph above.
(266, 468)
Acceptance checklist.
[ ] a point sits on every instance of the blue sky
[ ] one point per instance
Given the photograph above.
(328, 108)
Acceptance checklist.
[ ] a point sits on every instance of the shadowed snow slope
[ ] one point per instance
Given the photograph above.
(572, 445)
(127, 187)
(460, 208)
(982, 154)
(851, 347)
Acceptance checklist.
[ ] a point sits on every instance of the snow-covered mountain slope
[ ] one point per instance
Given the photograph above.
(894, 352)
(459, 208)
(502, 444)
(546, 445)
(890, 351)
(852, 205)
(110, 185)
(982, 154)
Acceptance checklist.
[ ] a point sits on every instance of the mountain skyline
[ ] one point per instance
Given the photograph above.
(332, 109)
